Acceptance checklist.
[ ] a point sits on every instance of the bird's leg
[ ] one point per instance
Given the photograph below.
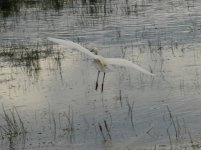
(103, 82)
(97, 80)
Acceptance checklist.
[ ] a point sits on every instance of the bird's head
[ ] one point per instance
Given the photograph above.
(94, 50)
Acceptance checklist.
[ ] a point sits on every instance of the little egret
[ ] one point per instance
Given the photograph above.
(101, 63)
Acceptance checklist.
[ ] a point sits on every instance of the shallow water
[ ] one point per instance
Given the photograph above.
(57, 101)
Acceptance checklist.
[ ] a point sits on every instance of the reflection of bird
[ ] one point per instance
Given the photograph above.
(101, 63)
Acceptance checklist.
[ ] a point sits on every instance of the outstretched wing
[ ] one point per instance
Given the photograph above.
(126, 63)
(71, 45)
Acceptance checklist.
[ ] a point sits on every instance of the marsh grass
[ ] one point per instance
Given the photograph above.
(177, 130)
(130, 112)
(28, 57)
(105, 131)
(13, 124)
(13, 7)
(12, 127)
(61, 124)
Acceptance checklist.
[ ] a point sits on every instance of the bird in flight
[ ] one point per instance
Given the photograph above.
(101, 63)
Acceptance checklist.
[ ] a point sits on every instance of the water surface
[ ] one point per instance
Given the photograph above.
(53, 88)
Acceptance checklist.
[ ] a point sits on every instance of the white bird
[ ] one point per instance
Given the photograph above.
(101, 63)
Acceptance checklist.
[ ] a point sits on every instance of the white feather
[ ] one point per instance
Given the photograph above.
(71, 45)
(126, 63)
(101, 63)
